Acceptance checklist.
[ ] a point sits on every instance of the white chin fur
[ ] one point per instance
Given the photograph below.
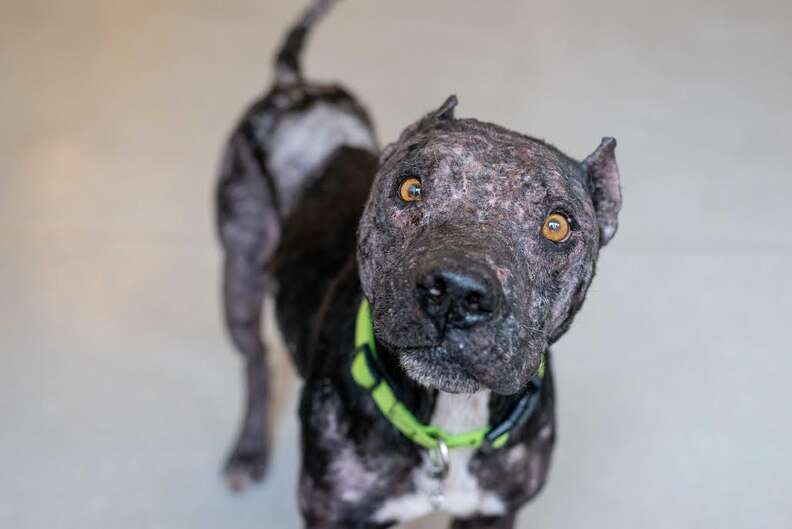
(442, 378)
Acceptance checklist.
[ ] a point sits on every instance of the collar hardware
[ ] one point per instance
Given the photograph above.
(367, 373)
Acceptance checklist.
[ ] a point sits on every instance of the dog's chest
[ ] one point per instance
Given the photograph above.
(459, 492)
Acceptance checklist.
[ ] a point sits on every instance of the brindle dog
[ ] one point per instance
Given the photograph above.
(475, 247)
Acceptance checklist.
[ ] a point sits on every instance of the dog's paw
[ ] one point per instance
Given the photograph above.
(245, 468)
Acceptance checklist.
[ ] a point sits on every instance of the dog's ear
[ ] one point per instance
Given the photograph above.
(444, 112)
(603, 175)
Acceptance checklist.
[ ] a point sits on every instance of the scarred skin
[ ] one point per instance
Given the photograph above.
(486, 193)
(321, 236)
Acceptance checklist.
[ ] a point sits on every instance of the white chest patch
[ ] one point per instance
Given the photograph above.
(301, 143)
(454, 413)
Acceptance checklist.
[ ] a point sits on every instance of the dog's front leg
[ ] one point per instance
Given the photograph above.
(485, 522)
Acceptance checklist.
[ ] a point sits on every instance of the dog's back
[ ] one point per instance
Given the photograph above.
(294, 180)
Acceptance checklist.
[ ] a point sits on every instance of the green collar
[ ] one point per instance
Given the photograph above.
(366, 373)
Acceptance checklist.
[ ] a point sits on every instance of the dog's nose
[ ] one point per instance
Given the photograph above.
(456, 299)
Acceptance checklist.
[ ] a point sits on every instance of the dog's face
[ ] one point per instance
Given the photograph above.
(477, 247)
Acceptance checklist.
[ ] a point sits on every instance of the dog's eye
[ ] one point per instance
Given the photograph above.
(410, 190)
(556, 227)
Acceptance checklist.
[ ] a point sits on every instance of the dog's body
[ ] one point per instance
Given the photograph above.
(466, 294)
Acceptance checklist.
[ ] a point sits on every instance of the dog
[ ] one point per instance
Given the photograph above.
(418, 288)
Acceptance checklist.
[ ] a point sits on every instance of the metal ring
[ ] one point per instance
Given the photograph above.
(439, 460)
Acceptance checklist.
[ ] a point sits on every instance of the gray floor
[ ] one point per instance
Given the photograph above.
(118, 389)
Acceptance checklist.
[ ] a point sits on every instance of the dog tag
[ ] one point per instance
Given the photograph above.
(436, 498)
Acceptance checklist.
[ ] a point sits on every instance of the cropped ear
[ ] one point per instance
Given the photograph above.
(444, 112)
(603, 175)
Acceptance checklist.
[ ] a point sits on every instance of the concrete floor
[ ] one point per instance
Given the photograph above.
(119, 392)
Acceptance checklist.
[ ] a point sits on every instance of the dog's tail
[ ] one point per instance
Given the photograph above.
(287, 62)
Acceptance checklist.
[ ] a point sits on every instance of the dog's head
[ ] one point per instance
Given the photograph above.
(477, 247)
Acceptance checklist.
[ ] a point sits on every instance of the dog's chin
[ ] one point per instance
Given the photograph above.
(440, 375)
(432, 367)
(434, 373)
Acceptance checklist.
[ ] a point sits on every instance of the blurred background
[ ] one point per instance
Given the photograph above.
(119, 392)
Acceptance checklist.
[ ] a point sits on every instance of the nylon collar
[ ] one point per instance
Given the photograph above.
(367, 372)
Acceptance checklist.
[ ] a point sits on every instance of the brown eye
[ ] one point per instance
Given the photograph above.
(410, 190)
(556, 227)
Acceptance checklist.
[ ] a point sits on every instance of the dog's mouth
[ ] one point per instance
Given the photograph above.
(500, 356)
(433, 368)
(461, 367)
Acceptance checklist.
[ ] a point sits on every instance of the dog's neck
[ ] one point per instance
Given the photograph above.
(458, 413)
